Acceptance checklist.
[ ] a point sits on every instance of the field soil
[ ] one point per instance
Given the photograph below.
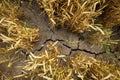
(69, 43)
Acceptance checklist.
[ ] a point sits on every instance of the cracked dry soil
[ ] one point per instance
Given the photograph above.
(69, 43)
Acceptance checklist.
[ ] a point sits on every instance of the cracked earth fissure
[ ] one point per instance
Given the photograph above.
(71, 49)
(68, 42)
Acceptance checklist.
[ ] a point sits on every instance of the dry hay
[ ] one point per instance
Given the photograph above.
(111, 14)
(76, 15)
(81, 15)
(52, 65)
(14, 35)
(96, 17)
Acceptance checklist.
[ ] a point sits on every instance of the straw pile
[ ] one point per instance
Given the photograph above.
(14, 35)
(96, 17)
(76, 15)
(52, 65)
(111, 15)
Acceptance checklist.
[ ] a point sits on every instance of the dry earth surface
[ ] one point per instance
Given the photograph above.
(68, 42)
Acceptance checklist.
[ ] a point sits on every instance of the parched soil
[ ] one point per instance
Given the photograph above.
(69, 43)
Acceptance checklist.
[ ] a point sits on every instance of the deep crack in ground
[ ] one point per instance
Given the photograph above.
(69, 47)
(68, 42)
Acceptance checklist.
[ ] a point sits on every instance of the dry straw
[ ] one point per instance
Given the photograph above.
(52, 65)
(76, 15)
(14, 36)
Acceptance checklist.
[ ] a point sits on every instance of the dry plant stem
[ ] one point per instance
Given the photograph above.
(77, 15)
(47, 62)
